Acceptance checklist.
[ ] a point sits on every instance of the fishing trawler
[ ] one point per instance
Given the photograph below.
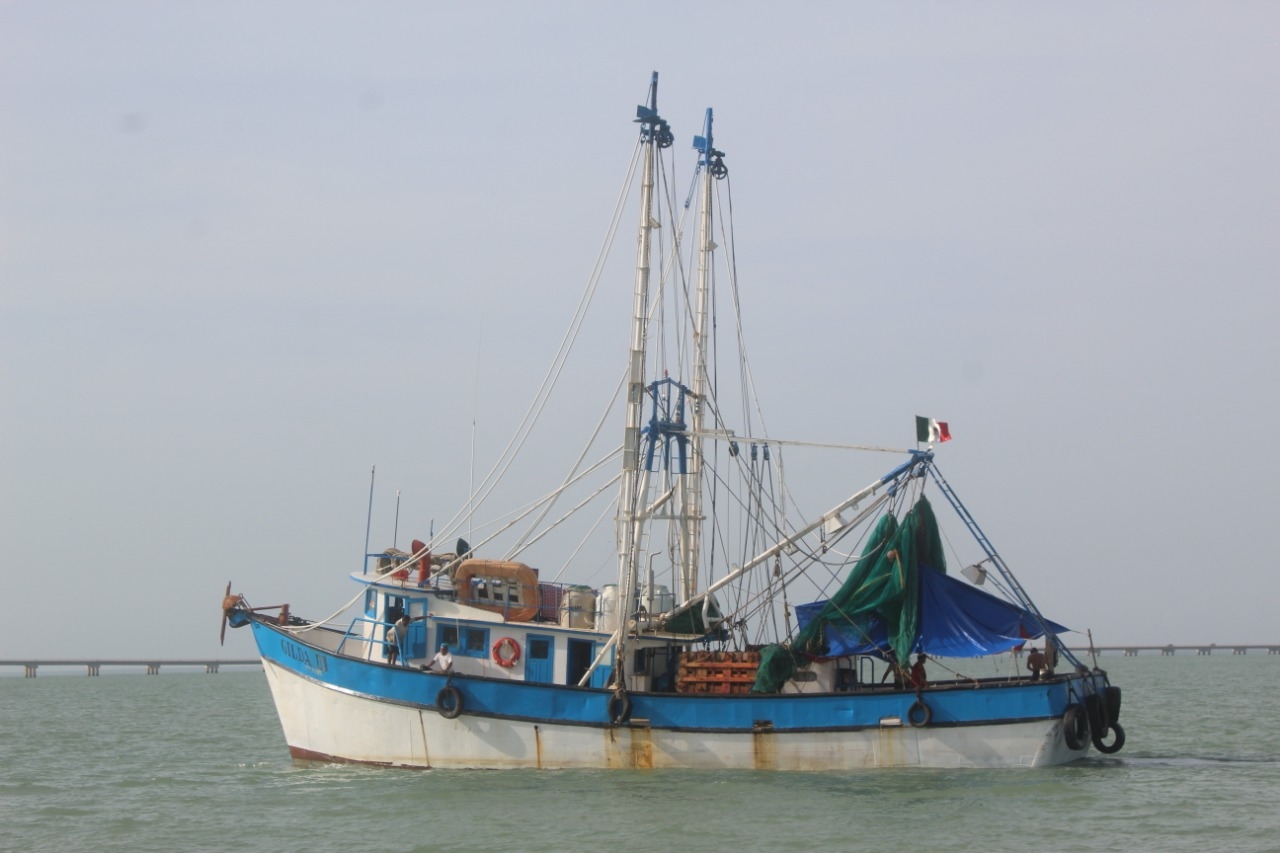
(453, 655)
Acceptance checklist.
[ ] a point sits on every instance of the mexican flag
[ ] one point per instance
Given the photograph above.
(931, 431)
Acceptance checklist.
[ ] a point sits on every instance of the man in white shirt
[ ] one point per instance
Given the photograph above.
(396, 636)
(442, 662)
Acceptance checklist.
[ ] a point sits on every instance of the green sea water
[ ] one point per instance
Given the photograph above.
(189, 761)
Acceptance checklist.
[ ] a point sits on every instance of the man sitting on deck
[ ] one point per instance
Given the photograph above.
(443, 660)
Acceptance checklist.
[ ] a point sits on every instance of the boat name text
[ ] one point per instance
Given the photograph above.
(311, 660)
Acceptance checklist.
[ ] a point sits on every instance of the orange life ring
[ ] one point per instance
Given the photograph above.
(506, 652)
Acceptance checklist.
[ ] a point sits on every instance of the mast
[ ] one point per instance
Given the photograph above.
(655, 134)
(712, 166)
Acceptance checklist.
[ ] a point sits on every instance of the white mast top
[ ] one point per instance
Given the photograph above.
(654, 134)
(712, 166)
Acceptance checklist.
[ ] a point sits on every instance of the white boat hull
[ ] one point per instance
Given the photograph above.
(324, 723)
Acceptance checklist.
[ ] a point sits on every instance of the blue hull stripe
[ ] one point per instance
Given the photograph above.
(547, 704)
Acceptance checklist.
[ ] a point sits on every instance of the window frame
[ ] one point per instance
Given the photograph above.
(461, 637)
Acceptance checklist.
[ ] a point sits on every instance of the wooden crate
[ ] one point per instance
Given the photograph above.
(717, 672)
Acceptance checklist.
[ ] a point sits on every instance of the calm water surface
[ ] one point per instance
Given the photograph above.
(188, 761)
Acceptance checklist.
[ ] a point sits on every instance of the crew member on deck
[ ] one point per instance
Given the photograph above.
(893, 669)
(442, 662)
(1037, 664)
(918, 677)
(396, 635)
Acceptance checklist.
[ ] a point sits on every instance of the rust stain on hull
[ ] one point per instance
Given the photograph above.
(896, 746)
(764, 751)
(300, 754)
(641, 748)
(426, 751)
(612, 754)
(628, 748)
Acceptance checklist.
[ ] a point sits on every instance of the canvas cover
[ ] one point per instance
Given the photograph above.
(956, 620)
(898, 599)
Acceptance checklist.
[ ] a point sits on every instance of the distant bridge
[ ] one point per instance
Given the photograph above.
(152, 665)
(1134, 651)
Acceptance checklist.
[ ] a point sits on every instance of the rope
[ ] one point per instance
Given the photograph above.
(542, 397)
(523, 541)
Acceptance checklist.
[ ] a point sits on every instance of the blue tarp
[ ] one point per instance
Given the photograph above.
(956, 620)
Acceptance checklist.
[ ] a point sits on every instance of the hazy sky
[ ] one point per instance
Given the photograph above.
(250, 250)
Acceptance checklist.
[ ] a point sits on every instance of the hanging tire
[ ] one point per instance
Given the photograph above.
(1112, 693)
(1099, 720)
(449, 702)
(1115, 745)
(919, 714)
(1075, 727)
(619, 708)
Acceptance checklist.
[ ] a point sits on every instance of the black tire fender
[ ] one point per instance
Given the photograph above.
(1099, 720)
(1115, 745)
(619, 707)
(919, 714)
(1075, 727)
(1113, 702)
(449, 702)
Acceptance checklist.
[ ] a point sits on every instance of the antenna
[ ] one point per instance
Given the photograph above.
(368, 524)
(395, 531)
(475, 406)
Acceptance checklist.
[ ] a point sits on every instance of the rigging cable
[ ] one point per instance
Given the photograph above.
(542, 397)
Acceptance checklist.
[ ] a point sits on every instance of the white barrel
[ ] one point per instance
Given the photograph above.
(607, 608)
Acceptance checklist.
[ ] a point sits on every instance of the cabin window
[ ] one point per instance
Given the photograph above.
(396, 607)
(495, 591)
(539, 648)
(464, 640)
(475, 642)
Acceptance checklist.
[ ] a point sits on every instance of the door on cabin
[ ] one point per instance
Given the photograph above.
(540, 661)
(578, 657)
(416, 641)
